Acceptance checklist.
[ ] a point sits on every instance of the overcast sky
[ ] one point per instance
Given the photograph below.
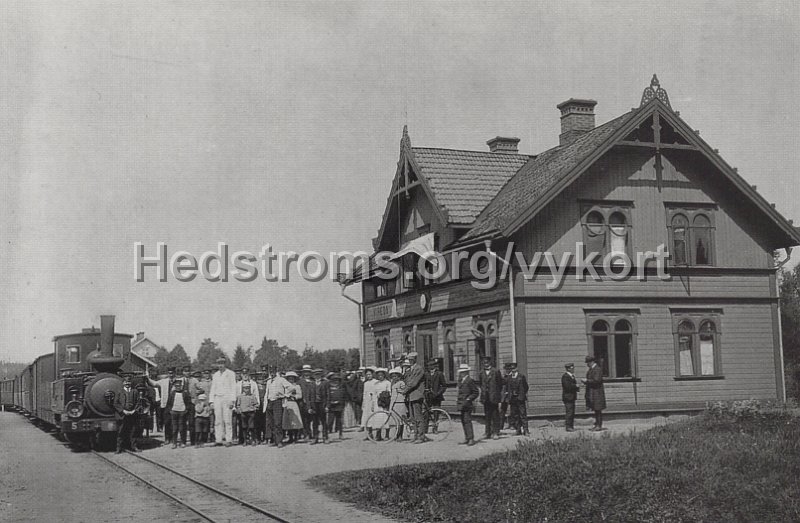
(263, 122)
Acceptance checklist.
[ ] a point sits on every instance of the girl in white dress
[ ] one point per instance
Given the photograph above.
(366, 400)
(380, 385)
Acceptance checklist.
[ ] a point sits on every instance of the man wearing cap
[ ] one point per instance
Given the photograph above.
(190, 385)
(516, 394)
(595, 393)
(306, 386)
(415, 396)
(569, 394)
(125, 413)
(491, 384)
(222, 399)
(468, 392)
(317, 406)
(246, 380)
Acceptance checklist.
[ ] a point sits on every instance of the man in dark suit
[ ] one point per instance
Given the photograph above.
(595, 393)
(320, 393)
(490, 381)
(125, 414)
(415, 395)
(468, 392)
(435, 386)
(516, 394)
(569, 394)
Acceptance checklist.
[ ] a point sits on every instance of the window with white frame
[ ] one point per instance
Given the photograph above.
(697, 337)
(612, 341)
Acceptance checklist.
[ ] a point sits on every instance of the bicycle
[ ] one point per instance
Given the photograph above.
(385, 425)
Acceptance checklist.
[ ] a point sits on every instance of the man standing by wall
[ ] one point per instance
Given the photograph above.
(490, 381)
(569, 394)
(467, 393)
(415, 395)
(595, 393)
(436, 387)
(516, 394)
(222, 399)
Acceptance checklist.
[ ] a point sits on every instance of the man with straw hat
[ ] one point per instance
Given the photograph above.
(468, 392)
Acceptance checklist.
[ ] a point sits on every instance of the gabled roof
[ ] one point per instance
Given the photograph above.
(537, 176)
(464, 182)
(549, 173)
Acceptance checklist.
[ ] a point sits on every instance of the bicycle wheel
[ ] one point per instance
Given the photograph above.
(439, 424)
(382, 426)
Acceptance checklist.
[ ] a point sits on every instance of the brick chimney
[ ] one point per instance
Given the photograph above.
(500, 144)
(577, 118)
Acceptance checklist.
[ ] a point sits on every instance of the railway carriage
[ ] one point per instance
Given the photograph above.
(7, 388)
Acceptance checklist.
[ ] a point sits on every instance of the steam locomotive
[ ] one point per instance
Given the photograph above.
(72, 389)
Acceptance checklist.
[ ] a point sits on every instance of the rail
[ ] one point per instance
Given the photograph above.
(204, 512)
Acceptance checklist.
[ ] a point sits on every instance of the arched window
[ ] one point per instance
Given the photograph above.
(680, 230)
(623, 345)
(701, 239)
(686, 348)
(697, 343)
(485, 331)
(692, 235)
(612, 341)
(382, 350)
(606, 228)
(600, 339)
(619, 233)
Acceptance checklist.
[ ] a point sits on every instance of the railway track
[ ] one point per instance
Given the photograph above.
(210, 503)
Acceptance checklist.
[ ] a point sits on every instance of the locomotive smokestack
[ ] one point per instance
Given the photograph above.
(107, 336)
(104, 360)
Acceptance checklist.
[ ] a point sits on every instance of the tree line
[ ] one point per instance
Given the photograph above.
(270, 353)
(790, 327)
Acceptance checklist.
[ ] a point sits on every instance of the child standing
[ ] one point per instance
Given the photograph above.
(202, 419)
(178, 405)
(246, 407)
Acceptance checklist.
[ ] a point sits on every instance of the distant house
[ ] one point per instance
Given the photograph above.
(708, 330)
(144, 346)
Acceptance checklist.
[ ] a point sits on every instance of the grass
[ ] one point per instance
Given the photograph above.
(721, 466)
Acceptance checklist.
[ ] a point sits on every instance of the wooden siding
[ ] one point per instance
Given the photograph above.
(631, 176)
(556, 334)
(700, 286)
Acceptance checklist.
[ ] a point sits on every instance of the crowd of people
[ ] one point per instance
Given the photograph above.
(278, 408)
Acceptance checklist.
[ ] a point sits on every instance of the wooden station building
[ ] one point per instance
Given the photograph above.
(708, 331)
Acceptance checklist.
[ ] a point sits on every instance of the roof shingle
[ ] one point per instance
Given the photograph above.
(537, 176)
(464, 182)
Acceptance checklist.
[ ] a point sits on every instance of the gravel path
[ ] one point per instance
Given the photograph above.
(275, 478)
(43, 480)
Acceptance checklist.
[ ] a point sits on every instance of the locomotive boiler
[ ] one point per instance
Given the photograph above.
(87, 382)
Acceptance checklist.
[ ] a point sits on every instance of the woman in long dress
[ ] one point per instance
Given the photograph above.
(349, 415)
(366, 400)
(398, 398)
(292, 421)
(381, 385)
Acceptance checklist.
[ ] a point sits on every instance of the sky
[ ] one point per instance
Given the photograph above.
(279, 122)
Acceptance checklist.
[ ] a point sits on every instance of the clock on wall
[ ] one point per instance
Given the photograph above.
(424, 301)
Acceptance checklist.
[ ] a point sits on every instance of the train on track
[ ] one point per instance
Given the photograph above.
(72, 388)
